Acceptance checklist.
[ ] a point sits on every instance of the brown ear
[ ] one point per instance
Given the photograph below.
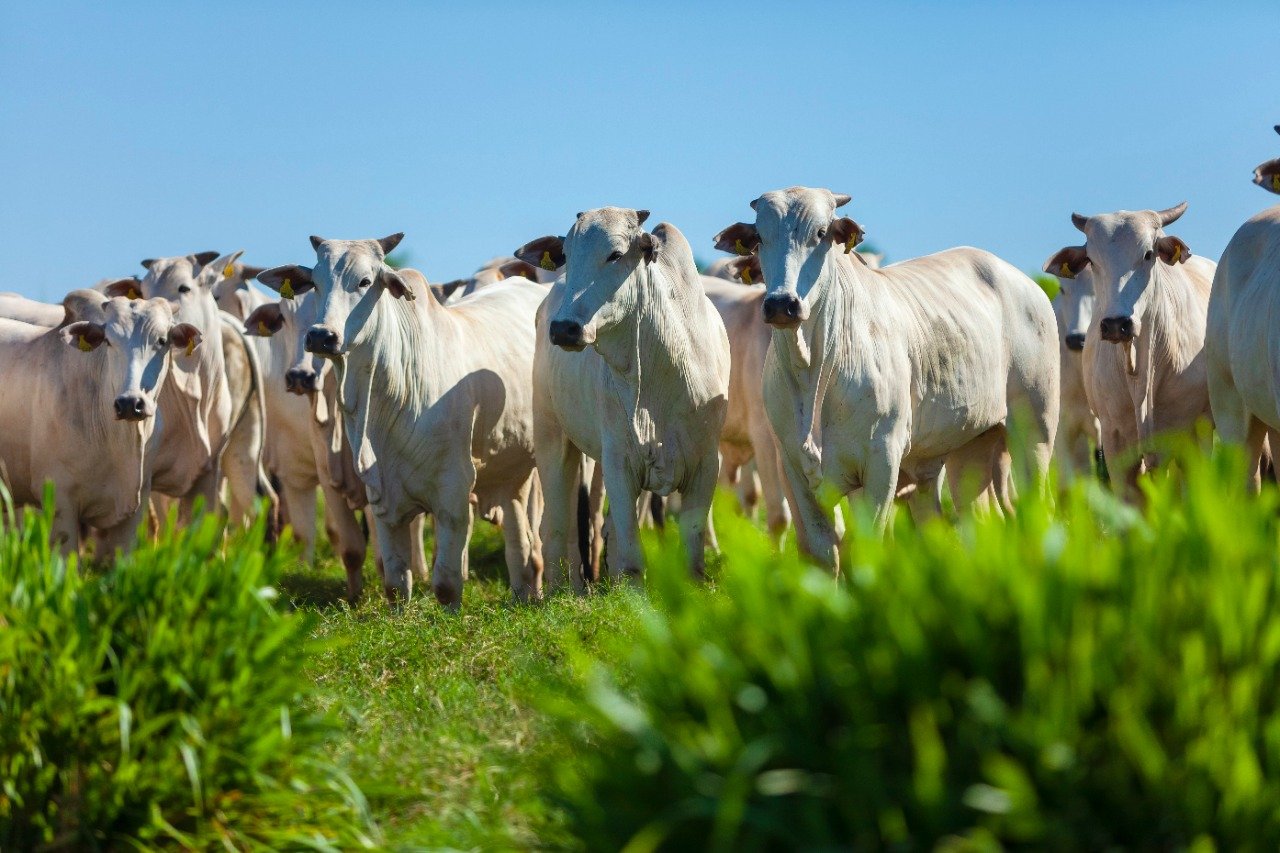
(740, 238)
(1267, 176)
(747, 269)
(845, 232)
(545, 253)
(247, 272)
(287, 280)
(1172, 250)
(264, 321)
(204, 258)
(185, 337)
(444, 291)
(1068, 262)
(129, 288)
(388, 244)
(649, 245)
(84, 336)
(520, 268)
(396, 285)
(147, 262)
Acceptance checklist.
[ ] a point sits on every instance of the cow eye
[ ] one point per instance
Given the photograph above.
(1148, 255)
(822, 233)
(365, 282)
(613, 256)
(162, 343)
(184, 288)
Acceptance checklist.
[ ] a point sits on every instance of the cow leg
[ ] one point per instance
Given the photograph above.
(418, 554)
(346, 537)
(204, 492)
(124, 535)
(1117, 448)
(625, 558)
(453, 533)
(1255, 442)
(696, 526)
(973, 469)
(559, 467)
(301, 500)
(880, 481)
(524, 566)
(777, 516)
(815, 530)
(241, 471)
(396, 548)
(595, 504)
(64, 533)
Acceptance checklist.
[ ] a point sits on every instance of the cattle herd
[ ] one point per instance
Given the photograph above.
(602, 363)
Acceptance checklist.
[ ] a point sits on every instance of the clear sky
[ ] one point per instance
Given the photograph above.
(132, 130)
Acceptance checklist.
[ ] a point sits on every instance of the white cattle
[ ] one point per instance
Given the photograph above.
(1144, 365)
(492, 272)
(233, 293)
(1078, 435)
(632, 369)
(436, 402)
(1243, 344)
(877, 376)
(217, 391)
(24, 310)
(80, 415)
(306, 444)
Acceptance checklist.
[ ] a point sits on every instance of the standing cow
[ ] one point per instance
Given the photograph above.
(80, 414)
(632, 369)
(1144, 365)
(1078, 437)
(1243, 343)
(882, 375)
(436, 402)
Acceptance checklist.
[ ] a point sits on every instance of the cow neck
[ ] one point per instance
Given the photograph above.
(650, 354)
(201, 380)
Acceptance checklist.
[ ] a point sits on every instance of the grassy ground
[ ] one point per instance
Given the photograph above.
(439, 707)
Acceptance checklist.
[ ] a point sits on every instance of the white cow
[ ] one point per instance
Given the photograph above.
(492, 272)
(80, 415)
(308, 447)
(233, 293)
(1078, 435)
(632, 369)
(436, 402)
(16, 307)
(1243, 345)
(1144, 368)
(217, 390)
(880, 375)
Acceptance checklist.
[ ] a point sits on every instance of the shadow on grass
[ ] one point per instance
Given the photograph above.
(309, 588)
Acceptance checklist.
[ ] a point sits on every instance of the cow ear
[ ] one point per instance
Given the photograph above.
(204, 258)
(219, 268)
(316, 241)
(1172, 250)
(740, 238)
(249, 272)
(395, 284)
(524, 269)
(842, 199)
(389, 244)
(641, 216)
(845, 232)
(264, 321)
(1068, 262)
(184, 336)
(649, 245)
(1267, 176)
(747, 269)
(84, 336)
(545, 253)
(443, 291)
(288, 281)
(129, 288)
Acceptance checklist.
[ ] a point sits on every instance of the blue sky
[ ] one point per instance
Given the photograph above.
(131, 130)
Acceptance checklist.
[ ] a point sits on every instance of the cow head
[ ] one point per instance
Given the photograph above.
(794, 234)
(139, 334)
(1267, 175)
(1126, 252)
(349, 278)
(231, 284)
(291, 319)
(186, 282)
(603, 257)
(1074, 309)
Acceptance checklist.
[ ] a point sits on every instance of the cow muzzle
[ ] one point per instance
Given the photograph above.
(132, 407)
(1118, 330)
(323, 342)
(298, 380)
(783, 310)
(568, 334)
(1074, 341)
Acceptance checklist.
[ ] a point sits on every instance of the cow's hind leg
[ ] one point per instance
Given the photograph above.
(347, 538)
(625, 559)
(524, 565)
(696, 526)
(559, 466)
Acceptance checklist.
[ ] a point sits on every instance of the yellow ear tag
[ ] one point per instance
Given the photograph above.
(1065, 272)
(1177, 253)
(746, 276)
(1275, 182)
(133, 293)
(546, 263)
(262, 329)
(191, 344)
(229, 271)
(286, 289)
(739, 248)
(850, 243)
(84, 345)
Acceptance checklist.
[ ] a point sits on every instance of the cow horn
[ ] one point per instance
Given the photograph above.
(1170, 215)
(1079, 221)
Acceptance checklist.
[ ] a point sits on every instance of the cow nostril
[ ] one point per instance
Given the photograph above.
(566, 332)
(1075, 341)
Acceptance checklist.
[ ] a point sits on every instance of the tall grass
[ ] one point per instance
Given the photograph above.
(161, 703)
(1078, 677)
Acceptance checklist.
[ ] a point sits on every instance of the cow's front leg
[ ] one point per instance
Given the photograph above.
(880, 480)
(395, 549)
(624, 558)
(524, 565)
(453, 515)
(696, 526)
(559, 466)
(815, 530)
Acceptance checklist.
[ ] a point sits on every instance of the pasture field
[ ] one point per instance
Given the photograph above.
(1082, 676)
